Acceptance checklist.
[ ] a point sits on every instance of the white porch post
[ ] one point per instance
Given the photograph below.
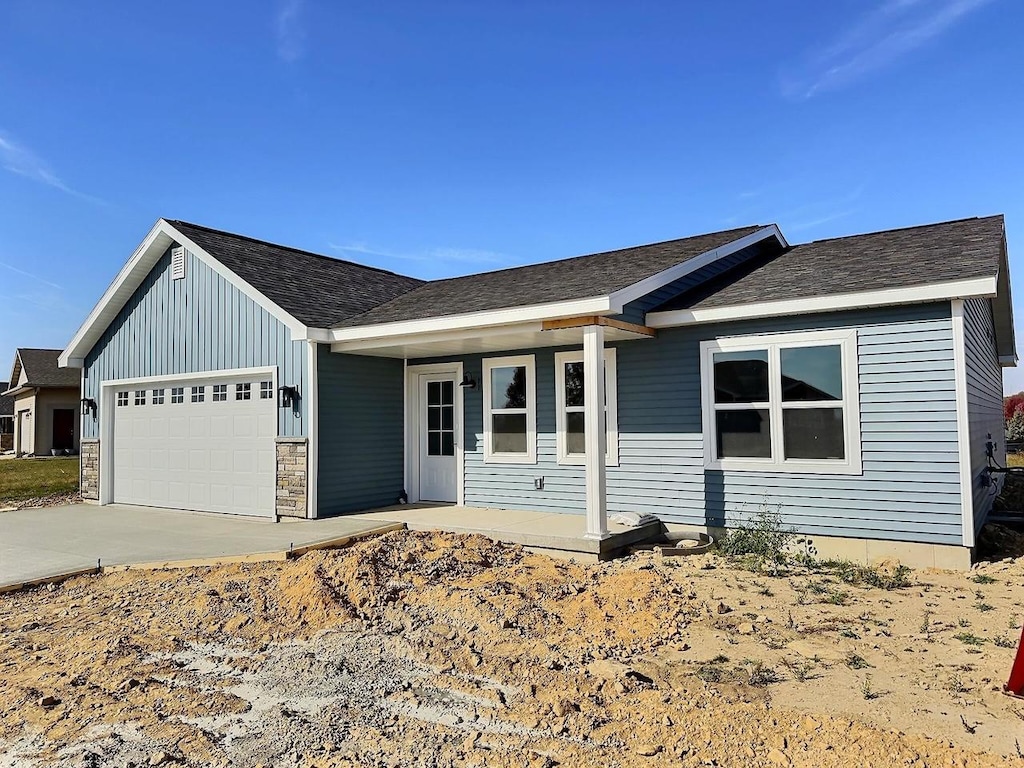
(596, 437)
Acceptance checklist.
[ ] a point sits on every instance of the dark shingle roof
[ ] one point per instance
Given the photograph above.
(40, 366)
(319, 291)
(6, 401)
(580, 277)
(896, 258)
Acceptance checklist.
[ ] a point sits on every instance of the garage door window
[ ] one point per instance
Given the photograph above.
(266, 390)
(220, 392)
(158, 397)
(243, 391)
(177, 395)
(122, 399)
(140, 397)
(198, 394)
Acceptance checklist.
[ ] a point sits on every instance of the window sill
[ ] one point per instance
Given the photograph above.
(579, 461)
(511, 458)
(788, 468)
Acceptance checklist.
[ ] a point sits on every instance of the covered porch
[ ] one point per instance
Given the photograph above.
(558, 535)
(437, 448)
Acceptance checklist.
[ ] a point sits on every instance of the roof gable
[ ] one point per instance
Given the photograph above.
(319, 291)
(38, 369)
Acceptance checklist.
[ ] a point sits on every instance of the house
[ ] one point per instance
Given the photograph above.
(46, 403)
(854, 384)
(6, 420)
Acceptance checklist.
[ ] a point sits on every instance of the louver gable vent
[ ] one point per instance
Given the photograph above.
(177, 263)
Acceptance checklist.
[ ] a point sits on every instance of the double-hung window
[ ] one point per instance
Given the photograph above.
(782, 403)
(510, 410)
(569, 414)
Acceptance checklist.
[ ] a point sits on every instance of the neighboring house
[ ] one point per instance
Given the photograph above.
(6, 420)
(851, 383)
(46, 403)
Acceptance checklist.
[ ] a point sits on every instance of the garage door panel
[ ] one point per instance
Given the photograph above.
(215, 455)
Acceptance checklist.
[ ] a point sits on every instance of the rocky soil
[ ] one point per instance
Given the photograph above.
(442, 650)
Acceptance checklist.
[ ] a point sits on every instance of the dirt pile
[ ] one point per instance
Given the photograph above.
(443, 650)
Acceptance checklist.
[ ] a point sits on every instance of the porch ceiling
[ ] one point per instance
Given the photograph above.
(484, 340)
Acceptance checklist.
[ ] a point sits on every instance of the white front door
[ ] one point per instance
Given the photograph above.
(438, 437)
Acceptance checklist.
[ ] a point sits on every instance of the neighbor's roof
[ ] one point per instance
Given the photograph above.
(6, 402)
(897, 258)
(41, 371)
(598, 274)
(317, 290)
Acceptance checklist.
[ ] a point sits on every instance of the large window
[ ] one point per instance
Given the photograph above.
(510, 410)
(782, 403)
(569, 415)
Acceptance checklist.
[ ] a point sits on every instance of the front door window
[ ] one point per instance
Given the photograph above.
(441, 418)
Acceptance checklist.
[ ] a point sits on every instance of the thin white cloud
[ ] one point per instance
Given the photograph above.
(800, 226)
(436, 256)
(35, 277)
(291, 33)
(891, 31)
(18, 159)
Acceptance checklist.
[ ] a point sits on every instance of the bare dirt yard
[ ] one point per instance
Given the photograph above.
(443, 650)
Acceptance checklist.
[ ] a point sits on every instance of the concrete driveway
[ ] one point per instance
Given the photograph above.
(37, 543)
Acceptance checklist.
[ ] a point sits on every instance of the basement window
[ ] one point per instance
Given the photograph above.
(782, 403)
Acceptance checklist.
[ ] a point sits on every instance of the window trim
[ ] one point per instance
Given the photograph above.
(529, 362)
(611, 426)
(846, 339)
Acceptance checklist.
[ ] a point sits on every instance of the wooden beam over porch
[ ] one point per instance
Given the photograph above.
(607, 322)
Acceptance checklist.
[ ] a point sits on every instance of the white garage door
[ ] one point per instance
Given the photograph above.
(200, 445)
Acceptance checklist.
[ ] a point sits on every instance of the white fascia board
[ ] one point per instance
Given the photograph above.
(635, 291)
(436, 337)
(1008, 361)
(159, 239)
(299, 330)
(108, 306)
(414, 330)
(982, 287)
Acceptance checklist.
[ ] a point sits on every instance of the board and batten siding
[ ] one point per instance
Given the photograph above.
(198, 323)
(909, 489)
(984, 379)
(360, 432)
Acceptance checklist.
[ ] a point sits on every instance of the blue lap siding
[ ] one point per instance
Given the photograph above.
(360, 432)
(984, 378)
(195, 324)
(909, 489)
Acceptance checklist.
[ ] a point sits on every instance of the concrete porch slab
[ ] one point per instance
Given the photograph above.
(550, 532)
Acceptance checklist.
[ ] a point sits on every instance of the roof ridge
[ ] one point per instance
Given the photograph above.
(900, 229)
(38, 349)
(303, 251)
(565, 259)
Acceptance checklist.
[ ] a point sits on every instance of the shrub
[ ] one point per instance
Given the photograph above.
(762, 536)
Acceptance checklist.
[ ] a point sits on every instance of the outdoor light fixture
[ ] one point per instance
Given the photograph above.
(88, 406)
(287, 396)
(468, 381)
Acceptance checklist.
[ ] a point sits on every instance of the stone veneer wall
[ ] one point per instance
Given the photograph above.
(90, 473)
(291, 476)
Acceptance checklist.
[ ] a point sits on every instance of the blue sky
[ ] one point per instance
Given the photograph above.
(449, 137)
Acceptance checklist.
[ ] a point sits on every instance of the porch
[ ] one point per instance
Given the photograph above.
(552, 533)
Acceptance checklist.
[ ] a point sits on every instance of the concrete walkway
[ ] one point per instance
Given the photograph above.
(37, 543)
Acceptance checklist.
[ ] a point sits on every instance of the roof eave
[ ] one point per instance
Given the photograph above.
(983, 287)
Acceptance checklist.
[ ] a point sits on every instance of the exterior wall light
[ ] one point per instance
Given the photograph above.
(88, 407)
(287, 397)
(468, 381)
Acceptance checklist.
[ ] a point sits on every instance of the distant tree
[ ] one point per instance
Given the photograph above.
(1015, 427)
(1012, 404)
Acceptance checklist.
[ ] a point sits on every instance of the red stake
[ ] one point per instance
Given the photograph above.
(1015, 685)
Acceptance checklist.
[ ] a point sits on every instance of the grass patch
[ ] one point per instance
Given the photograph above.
(855, 661)
(982, 578)
(969, 638)
(22, 479)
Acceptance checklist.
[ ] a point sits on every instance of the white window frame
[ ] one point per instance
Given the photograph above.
(773, 343)
(611, 414)
(529, 362)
